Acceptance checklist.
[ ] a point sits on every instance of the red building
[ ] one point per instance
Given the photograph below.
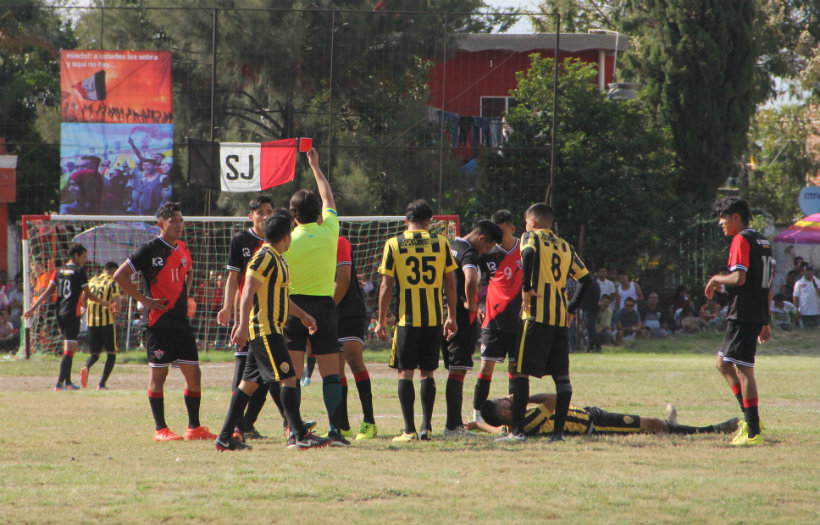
(477, 80)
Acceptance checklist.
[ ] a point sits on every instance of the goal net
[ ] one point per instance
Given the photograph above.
(46, 240)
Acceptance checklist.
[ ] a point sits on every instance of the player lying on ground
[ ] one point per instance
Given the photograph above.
(539, 420)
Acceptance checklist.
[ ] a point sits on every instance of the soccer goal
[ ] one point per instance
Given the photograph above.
(47, 238)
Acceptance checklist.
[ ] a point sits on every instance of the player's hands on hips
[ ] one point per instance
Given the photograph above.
(450, 328)
(379, 330)
(309, 322)
(765, 334)
(223, 317)
(155, 303)
(240, 335)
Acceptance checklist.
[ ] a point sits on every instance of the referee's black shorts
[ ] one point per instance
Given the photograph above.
(325, 340)
(542, 350)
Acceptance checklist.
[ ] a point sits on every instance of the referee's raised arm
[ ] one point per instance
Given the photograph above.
(322, 184)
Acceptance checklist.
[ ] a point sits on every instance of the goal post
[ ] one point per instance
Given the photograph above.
(47, 238)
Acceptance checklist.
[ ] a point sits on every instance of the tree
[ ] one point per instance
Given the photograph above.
(615, 172)
(31, 37)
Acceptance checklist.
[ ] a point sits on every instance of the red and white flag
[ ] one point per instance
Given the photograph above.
(93, 87)
(255, 167)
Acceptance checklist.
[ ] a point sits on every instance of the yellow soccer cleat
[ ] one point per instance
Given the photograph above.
(404, 437)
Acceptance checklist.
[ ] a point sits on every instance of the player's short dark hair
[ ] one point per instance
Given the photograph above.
(258, 201)
(419, 211)
(167, 210)
(489, 413)
(283, 212)
(728, 206)
(489, 230)
(76, 249)
(502, 217)
(541, 211)
(276, 228)
(111, 266)
(305, 206)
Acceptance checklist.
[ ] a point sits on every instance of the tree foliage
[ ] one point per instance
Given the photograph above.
(615, 172)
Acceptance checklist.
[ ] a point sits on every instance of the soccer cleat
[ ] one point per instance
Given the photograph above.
(165, 434)
(252, 434)
(425, 434)
(556, 437)
(671, 418)
(337, 439)
(84, 377)
(367, 431)
(727, 427)
(310, 440)
(511, 437)
(746, 441)
(405, 437)
(237, 435)
(458, 432)
(305, 381)
(199, 433)
(309, 425)
(102, 387)
(58, 387)
(70, 386)
(230, 444)
(742, 432)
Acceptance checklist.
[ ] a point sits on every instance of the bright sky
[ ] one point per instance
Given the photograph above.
(527, 6)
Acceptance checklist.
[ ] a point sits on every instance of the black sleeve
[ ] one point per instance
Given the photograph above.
(141, 259)
(583, 285)
(528, 264)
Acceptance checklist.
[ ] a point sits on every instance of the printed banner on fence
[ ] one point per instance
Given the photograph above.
(116, 86)
(242, 167)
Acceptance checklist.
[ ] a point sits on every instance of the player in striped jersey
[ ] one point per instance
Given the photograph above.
(243, 245)
(102, 334)
(263, 308)
(70, 281)
(543, 347)
(420, 264)
(540, 420)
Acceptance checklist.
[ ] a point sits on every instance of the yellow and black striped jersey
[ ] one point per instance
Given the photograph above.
(106, 288)
(555, 260)
(418, 260)
(540, 421)
(270, 302)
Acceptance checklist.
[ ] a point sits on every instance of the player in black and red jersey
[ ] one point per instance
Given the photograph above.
(458, 351)
(501, 267)
(165, 265)
(70, 281)
(749, 284)
(243, 245)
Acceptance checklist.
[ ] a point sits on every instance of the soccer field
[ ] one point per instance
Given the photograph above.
(89, 457)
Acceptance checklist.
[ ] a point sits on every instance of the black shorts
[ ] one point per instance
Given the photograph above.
(325, 340)
(102, 337)
(740, 343)
(268, 360)
(172, 346)
(352, 329)
(69, 326)
(604, 422)
(497, 346)
(458, 351)
(415, 347)
(240, 351)
(542, 350)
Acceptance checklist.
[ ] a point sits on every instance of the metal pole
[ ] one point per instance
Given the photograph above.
(441, 122)
(551, 187)
(213, 99)
(330, 96)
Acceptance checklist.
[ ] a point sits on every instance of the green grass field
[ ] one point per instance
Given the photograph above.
(88, 456)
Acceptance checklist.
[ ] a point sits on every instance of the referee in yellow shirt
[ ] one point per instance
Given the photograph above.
(312, 262)
(543, 348)
(102, 334)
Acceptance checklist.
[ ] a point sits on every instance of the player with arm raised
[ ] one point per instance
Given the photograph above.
(502, 312)
(419, 264)
(263, 309)
(749, 284)
(458, 351)
(352, 325)
(165, 266)
(543, 348)
(102, 334)
(71, 282)
(312, 260)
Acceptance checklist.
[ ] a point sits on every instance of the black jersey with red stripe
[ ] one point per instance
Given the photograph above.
(749, 303)
(164, 269)
(70, 280)
(352, 304)
(465, 257)
(243, 245)
(503, 272)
